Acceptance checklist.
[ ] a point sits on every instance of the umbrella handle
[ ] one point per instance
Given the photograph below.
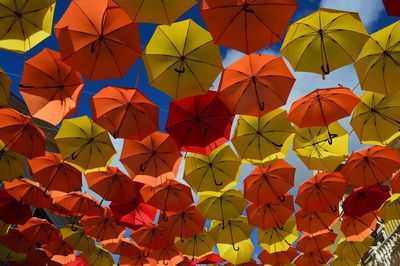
(165, 262)
(180, 70)
(261, 106)
(143, 168)
(327, 70)
(74, 156)
(330, 139)
(73, 228)
(9, 256)
(164, 217)
(235, 248)
(282, 198)
(333, 208)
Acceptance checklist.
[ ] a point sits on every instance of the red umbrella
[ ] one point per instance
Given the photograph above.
(200, 123)
(208, 259)
(310, 243)
(13, 211)
(79, 261)
(15, 241)
(392, 7)
(315, 258)
(39, 231)
(364, 200)
(278, 258)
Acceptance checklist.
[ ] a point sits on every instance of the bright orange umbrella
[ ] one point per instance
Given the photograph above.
(167, 256)
(269, 183)
(20, 134)
(50, 88)
(148, 159)
(322, 191)
(140, 260)
(98, 39)
(315, 258)
(77, 203)
(247, 25)
(53, 173)
(255, 78)
(278, 258)
(39, 231)
(371, 166)
(358, 228)
(153, 237)
(124, 112)
(314, 222)
(311, 243)
(122, 247)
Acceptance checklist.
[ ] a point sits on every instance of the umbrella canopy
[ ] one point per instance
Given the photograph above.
(11, 164)
(358, 228)
(125, 112)
(153, 237)
(261, 79)
(376, 118)
(240, 253)
(342, 261)
(122, 247)
(98, 39)
(20, 134)
(181, 60)
(317, 221)
(24, 24)
(208, 259)
(7, 254)
(100, 257)
(315, 258)
(77, 203)
(199, 123)
(39, 231)
(159, 11)
(395, 183)
(54, 173)
(16, 242)
(371, 166)
(390, 210)
(269, 183)
(392, 7)
(378, 63)
(313, 147)
(77, 238)
(4, 228)
(353, 250)
(50, 88)
(79, 261)
(278, 258)
(324, 41)
(5, 86)
(197, 246)
(259, 140)
(246, 25)
(314, 243)
(218, 171)
(84, 144)
(150, 158)
(167, 256)
(13, 211)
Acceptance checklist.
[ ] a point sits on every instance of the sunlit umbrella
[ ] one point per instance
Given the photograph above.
(278, 239)
(390, 210)
(278, 258)
(317, 221)
(240, 253)
(354, 250)
(39, 231)
(197, 246)
(316, 258)
(315, 242)
(77, 238)
(99, 257)
(358, 228)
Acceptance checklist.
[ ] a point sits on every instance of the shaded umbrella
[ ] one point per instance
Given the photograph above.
(16, 242)
(316, 258)
(100, 257)
(395, 183)
(241, 253)
(153, 237)
(208, 259)
(167, 256)
(278, 258)
(11, 164)
(39, 231)
(317, 221)
(77, 238)
(7, 254)
(5, 86)
(13, 211)
(197, 246)
(390, 209)
(354, 250)
(77, 203)
(342, 261)
(278, 239)
(314, 243)
(392, 7)
(358, 228)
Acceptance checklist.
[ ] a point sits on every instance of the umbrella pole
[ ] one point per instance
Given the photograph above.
(322, 222)
(164, 216)
(261, 105)
(324, 55)
(214, 178)
(108, 188)
(52, 179)
(280, 197)
(77, 213)
(233, 242)
(222, 213)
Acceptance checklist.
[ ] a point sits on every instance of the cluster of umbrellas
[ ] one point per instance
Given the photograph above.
(147, 216)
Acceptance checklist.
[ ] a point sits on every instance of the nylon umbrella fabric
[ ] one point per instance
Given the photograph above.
(358, 228)
(13, 211)
(242, 254)
(317, 221)
(310, 243)
(39, 231)
(5, 87)
(77, 238)
(153, 237)
(197, 246)
(122, 247)
(167, 256)
(313, 258)
(7, 254)
(353, 250)
(390, 209)
(278, 258)
(77, 203)
(392, 7)
(11, 164)
(100, 257)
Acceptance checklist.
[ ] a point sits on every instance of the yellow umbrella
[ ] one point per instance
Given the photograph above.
(99, 257)
(242, 254)
(4, 228)
(155, 11)
(182, 59)
(7, 254)
(312, 146)
(84, 144)
(324, 41)
(390, 210)
(376, 119)
(11, 164)
(262, 139)
(342, 261)
(77, 238)
(197, 246)
(278, 239)
(25, 23)
(353, 250)
(378, 66)
(229, 204)
(217, 172)
(5, 85)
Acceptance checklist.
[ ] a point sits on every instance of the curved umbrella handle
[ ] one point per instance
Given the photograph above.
(73, 228)
(261, 106)
(165, 262)
(330, 139)
(74, 155)
(277, 145)
(327, 70)
(180, 70)
(235, 248)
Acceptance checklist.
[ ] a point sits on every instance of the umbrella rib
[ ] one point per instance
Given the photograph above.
(90, 21)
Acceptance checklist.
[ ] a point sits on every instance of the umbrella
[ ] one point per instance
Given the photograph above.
(392, 7)
(278, 239)
(342, 261)
(208, 259)
(218, 171)
(137, 261)
(25, 24)
(312, 146)
(395, 183)
(269, 215)
(79, 261)
(371, 166)
(167, 256)
(390, 210)
(5, 86)
(54, 173)
(13, 211)
(7, 254)
(255, 78)
(40, 231)
(317, 221)
(247, 25)
(278, 258)
(159, 11)
(150, 158)
(376, 118)
(98, 39)
(316, 258)
(322, 107)
(125, 112)
(77, 239)
(378, 63)
(122, 247)
(358, 228)
(314, 243)
(242, 254)
(84, 144)
(38, 257)
(181, 59)
(20, 134)
(353, 250)
(16, 242)
(59, 250)
(76, 203)
(226, 205)
(153, 237)
(50, 88)
(259, 140)
(199, 123)
(321, 192)
(324, 41)
(365, 200)
(269, 183)
(197, 246)
(100, 257)
(11, 164)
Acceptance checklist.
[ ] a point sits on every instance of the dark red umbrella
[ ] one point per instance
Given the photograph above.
(392, 7)
(13, 211)
(364, 200)
(200, 123)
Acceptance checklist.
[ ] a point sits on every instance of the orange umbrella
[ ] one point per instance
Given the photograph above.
(314, 222)
(111, 184)
(316, 258)
(50, 88)
(247, 25)
(77, 203)
(125, 113)
(153, 237)
(321, 192)
(170, 196)
(269, 183)
(270, 215)
(136, 261)
(371, 166)
(167, 256)
(151, 157)
(358, 228)
(53, 173)
(20, 134)
(15, 241)
(101, 227)
(122, 247)
(311, 243)
(37, 257)
(255, 78)
(39, 231)
(98, 39)
(58, 249)
(322, 107)
(185, 223)
(278, 258)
